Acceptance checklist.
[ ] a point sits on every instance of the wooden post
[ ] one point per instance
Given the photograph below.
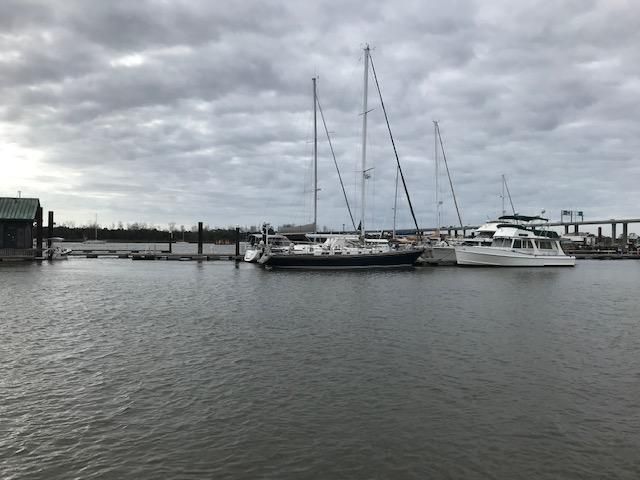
(170, 241)
(199, 238)
(237, 241)
(50, 234)
(39, 232)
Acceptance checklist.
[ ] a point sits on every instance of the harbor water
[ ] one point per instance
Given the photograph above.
(113, 369)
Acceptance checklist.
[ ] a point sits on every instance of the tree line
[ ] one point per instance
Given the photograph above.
(144, 233)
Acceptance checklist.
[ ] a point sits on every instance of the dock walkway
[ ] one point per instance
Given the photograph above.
(151, 254)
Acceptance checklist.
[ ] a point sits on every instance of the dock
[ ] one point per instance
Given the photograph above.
(152, 255)
(182, 257)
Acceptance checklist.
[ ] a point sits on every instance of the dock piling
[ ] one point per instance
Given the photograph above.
(50, 235)
(199, 238)
(237, 241)
(39, 232)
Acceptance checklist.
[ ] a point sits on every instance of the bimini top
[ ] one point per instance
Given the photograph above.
(21, 209)
(522, 218)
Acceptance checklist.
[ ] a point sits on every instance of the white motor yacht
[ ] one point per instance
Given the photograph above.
(516, 245)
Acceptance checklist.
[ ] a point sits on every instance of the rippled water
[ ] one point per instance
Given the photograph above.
(121, 369)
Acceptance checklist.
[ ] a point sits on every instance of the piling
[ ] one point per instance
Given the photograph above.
(575, 229)
(599, 235)
(625, 230)
(170, 242)
(50, 235)
(199, 238)
(39, 232)
(237, 241)
(566, 229)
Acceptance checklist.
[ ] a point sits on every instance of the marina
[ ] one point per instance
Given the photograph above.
(319, 240)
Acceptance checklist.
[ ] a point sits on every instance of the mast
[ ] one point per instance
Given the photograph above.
(446, 166)
(503, 210)
(504, 185)
(315, 159)
(364, 140)
(435, 148)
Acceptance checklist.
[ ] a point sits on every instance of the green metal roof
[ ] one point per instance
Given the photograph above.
(18, 208)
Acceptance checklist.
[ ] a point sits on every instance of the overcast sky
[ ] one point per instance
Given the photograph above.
(180, 111)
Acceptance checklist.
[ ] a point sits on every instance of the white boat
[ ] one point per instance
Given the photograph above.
(56, 252)
(517, 245)
(256, 246)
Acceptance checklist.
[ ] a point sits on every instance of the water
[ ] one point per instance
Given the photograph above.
(133, 370)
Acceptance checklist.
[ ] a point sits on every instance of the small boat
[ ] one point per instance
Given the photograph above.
(517, 245)
(255, 249)
(57, 253)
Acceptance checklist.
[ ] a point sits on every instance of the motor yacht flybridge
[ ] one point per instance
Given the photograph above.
(517, 243)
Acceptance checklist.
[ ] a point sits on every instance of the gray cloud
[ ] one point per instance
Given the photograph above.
(185, 111)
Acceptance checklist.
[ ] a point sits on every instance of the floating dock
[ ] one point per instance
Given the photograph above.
(152, 255)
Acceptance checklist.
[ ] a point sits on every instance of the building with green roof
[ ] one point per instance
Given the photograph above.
(17, 217)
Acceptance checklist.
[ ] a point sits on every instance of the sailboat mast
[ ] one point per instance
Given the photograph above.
(315, 158)
(504, 185)
(364, 139)
(446, 166)
(435, 153)
(395, 204)
(503, 211)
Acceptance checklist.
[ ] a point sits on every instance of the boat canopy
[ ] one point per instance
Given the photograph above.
(523, 218)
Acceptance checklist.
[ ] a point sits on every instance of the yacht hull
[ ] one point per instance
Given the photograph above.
(496, 257)
(392, 259)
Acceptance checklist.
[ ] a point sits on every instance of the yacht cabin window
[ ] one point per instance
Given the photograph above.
(545, 245)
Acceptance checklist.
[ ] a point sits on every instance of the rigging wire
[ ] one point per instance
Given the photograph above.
(344, 192)
(393, 143)
(444, 157)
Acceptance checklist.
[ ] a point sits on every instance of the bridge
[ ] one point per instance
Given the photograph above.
(614, 222)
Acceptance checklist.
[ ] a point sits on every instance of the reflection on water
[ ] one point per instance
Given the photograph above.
(121, 369)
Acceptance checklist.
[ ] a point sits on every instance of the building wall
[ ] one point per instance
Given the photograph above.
(16, 234)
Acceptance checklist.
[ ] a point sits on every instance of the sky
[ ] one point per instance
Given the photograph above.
(174, 112)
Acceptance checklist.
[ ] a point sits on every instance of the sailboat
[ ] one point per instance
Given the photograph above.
(345, 251)
(441, 252)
